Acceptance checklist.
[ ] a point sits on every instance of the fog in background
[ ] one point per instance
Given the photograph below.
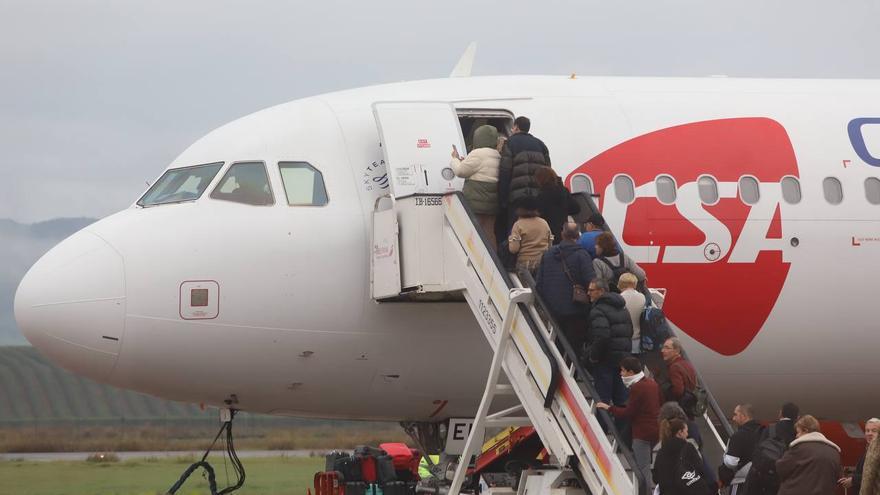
(97, 97)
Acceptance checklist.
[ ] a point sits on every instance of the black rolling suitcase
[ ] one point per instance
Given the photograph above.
(350, 468)
(385, 469)
(330, 460)
(355, 488)
(395, 488)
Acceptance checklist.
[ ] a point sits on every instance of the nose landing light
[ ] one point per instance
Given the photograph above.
(71, 305)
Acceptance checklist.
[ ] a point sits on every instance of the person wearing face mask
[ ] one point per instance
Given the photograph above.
(641, 410)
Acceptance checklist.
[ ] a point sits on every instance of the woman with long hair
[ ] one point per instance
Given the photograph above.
(554, 201)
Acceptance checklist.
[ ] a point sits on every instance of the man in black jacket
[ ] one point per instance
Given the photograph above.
(561, 267)
(732, 471)
(762, 478)
(521, 157)
(608, 342)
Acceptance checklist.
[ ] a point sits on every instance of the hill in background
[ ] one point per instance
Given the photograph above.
(35, 390)
(20, 246)
(44, 408)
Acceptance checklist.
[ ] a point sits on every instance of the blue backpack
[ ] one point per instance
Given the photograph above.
(655, 328)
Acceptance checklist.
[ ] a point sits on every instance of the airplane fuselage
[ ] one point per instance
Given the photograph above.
(772, 293)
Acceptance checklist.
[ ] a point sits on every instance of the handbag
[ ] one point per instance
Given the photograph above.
(578, 292)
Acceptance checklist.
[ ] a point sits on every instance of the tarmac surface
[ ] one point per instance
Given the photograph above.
(124, 456)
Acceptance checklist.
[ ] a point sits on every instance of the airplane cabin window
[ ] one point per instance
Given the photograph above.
(872, 190)
(303, 184)
(581, 183)
(181, 184)
(624, 189)
(791, 190)
(708, 190)
(247, 183)
(833, 190)
(749, 190)
(666, 190)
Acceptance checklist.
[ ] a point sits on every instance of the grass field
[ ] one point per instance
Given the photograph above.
(162, 438)
(265, 476)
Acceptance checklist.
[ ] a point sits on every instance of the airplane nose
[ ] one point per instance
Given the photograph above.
(71, 305)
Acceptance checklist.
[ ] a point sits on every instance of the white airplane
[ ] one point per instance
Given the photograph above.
(242, 276)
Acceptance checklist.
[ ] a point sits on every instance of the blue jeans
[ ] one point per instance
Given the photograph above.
(609, 385)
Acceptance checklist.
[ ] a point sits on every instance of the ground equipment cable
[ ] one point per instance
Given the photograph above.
(237, 466)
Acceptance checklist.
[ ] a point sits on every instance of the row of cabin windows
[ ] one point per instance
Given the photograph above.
(243, 182)
(749, 189)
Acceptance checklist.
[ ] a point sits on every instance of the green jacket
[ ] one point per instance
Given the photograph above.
(481, 196)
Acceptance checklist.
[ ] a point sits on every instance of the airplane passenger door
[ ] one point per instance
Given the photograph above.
(417, 140)
(385, 278)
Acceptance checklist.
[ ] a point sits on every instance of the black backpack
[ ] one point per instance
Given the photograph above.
(616, 271)
(694, 402)
(507, 259)
(767, 452)
(687, 480)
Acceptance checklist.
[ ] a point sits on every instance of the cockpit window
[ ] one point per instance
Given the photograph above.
(181, 184)
(303, 184)
(247, 183)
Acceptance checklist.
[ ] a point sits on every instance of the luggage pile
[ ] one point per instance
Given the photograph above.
(391, 469)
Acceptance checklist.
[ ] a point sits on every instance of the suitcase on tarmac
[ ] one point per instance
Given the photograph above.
(327, 483)
(368, 468)
(406, 460)
(330, 464)
(355, 488)
(395, 488)
(367, 451)
(350, 468)
(385, 469)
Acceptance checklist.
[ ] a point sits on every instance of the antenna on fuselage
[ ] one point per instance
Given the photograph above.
(466, 62)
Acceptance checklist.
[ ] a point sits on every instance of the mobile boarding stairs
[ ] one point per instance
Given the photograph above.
(427, 245)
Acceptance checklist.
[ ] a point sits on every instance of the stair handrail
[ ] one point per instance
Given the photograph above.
(581, 375)
(542, 343)
(545, 343)
(712, 403)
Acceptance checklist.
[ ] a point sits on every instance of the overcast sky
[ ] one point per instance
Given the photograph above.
(97, 97)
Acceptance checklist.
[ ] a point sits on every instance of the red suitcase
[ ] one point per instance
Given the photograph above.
(368, 469)
(327, 483)
(403, 457)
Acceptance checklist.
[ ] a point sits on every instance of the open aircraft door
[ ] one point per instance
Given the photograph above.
(417, 140)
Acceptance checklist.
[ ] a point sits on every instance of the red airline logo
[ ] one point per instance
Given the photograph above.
(725, 269)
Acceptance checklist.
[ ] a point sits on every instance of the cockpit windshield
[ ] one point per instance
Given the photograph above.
(181, 184)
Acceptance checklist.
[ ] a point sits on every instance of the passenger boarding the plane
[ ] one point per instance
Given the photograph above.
(592, 228)
(554, 201)
(610, 263)
(608, 342)
(738, 457)
(641, 411)
(678, 469)
(521, 157)
(480, 171)
(635, 304)
(530, 236)
(563, 267)
(854, 481)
